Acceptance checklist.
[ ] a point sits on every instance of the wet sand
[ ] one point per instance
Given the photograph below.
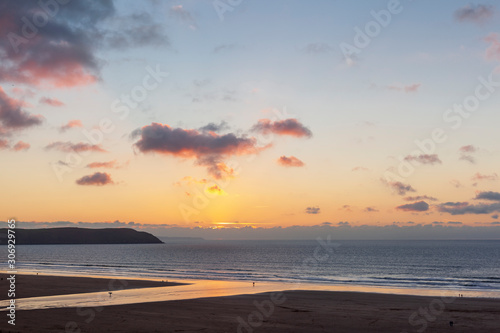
(289, 311)
(47, 285)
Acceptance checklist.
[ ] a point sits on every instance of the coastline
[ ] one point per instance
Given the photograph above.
(279, 311)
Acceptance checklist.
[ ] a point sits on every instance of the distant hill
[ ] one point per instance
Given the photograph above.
(79, 236)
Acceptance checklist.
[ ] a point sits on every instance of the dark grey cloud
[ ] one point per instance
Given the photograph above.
(420, 206)
(58, 45)
(213, 127)
(13, 117)
(475, 13)
(462, 208)
(488, 195)
(335, 231)
(209, 149)
(313, 210)
(96, 179)
(370, 209)
(289, 126)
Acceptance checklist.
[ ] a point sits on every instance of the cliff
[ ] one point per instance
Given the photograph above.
(79, 236)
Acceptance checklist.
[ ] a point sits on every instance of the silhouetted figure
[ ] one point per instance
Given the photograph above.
(253, 284)
(109, 292)
(451, 323)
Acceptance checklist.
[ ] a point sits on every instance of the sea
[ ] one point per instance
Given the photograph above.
(455, 265)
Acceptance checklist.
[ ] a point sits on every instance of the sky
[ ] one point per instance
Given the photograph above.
(252, 117)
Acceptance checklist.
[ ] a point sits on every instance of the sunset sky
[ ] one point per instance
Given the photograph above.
(250, 113)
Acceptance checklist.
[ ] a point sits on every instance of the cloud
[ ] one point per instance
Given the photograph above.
(488, 195)
(21, 145)
(399, 187)
(479, 176)
(212, 127)
(468, 149)
(191, 180)
(461, 208)
(51, 101)
(370, 209)
(360, 168)
(313, 210)
(317, 48)
(455, 223)
(456, 183)
(74, 147)
(420, 206)
(494, 216)
(12, 116)
(289, 126)
(62, 52)
(209, 149)
(105, 165)
(469, 158)
(419, 197)
(424, 159)
(466, 153)
(71, 124)
(96, 179)
(4, 144)
(291, 161)
(411, 88)
(215, 190)
(493, 51)
(474, 13)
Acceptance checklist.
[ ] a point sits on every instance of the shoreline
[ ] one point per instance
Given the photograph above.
(150, 282)
(251, 310)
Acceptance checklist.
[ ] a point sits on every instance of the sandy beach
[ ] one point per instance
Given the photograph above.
(289, 311)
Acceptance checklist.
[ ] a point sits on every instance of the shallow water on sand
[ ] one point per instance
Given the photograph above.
(209, 288)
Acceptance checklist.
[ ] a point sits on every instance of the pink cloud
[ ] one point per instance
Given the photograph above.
(21, 145)
(75, 147)
(71, 124)
(291, 161)
(108, 165)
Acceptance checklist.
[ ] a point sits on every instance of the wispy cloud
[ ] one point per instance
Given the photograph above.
(71, 124)
(74, 147)
(51, 101)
